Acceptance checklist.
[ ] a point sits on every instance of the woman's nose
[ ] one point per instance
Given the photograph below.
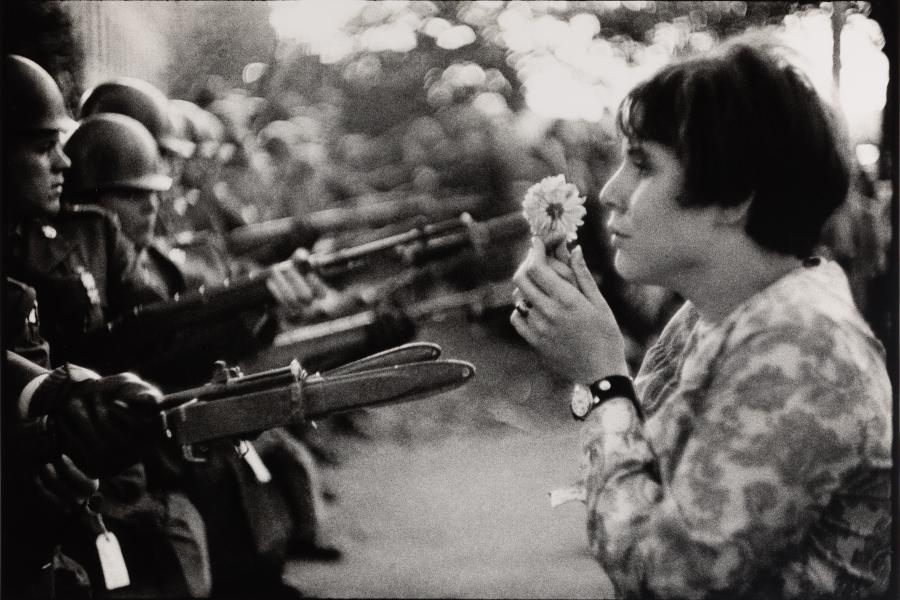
(613, 195)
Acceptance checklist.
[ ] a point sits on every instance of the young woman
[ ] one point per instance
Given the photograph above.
(752, 454)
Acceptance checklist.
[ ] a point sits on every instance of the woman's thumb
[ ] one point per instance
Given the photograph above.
(562, 252)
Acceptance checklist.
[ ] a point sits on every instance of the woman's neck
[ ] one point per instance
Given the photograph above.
(734, 274)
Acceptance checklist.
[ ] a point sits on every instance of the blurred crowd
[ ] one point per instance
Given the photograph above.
(154, 199)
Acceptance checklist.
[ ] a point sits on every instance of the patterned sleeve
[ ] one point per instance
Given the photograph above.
(756, 457)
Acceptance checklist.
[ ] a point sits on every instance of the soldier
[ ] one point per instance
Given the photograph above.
(65, 428)
(170, 126)
(115, 164)
(84, 269)
(94, 437)
(198, 207)
(53, 475)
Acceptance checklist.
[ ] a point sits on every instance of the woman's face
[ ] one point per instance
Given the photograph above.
(655, 240)
(137, 211)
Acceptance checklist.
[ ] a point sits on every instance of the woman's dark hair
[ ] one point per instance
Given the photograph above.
(746, 123)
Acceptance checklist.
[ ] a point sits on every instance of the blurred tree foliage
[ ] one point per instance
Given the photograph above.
(212, 42)
(382, 88)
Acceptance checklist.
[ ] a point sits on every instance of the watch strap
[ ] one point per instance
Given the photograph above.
(615, 386)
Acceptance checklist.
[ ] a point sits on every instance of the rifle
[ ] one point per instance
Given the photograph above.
(248, 239)
(316, 344)
(145, 323)
(234, 406)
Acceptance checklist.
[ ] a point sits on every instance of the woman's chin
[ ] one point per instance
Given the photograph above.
(624, 267)
(631, 271)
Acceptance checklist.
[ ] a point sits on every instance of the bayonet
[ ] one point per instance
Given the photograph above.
(246, 405)
(234, 406)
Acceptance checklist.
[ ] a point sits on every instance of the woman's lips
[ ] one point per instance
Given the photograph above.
(616, 237)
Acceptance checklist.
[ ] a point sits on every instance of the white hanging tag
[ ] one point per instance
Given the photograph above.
(254, 461)
(115, 573)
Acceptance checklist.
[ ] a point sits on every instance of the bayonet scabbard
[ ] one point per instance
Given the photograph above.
(238, 416)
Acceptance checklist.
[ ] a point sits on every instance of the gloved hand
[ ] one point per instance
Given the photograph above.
(106, 424)
(63, 486)
(392, 326)
(304, 296)
(291, 288)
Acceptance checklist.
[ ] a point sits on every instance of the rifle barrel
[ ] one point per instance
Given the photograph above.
(421, 232)
(475, 234)
(422, 243)
(376, 212)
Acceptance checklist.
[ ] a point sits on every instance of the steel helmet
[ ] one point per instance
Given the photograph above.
(139, 100)
(110, 151)
(31, 97)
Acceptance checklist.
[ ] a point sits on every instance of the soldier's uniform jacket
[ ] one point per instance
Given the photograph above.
(83, 269)
(160, 272)
(190, 262)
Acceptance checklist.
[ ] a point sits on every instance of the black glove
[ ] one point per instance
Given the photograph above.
(392, 327)
(106, 424)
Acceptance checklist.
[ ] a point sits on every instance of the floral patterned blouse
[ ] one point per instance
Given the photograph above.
(763, 468)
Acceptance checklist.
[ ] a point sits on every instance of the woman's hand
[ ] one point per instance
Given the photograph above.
(565, 318)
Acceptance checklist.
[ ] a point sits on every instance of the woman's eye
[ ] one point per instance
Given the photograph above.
(641, 165)
(638, 160)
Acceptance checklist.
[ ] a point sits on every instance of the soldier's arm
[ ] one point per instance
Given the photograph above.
(126, 286)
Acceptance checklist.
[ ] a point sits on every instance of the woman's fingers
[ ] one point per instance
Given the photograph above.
(584, 278)
(534, 297)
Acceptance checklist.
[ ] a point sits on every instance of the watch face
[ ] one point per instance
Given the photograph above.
(581, 401)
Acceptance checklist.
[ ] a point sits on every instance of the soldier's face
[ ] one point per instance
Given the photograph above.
(137, 211)
(34, 168)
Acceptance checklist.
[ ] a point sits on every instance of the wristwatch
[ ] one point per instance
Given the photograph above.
(612, 386)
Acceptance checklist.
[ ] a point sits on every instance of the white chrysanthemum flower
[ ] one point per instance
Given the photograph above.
(553, 207)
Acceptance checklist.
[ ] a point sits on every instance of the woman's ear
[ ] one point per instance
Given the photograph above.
(730, 216)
